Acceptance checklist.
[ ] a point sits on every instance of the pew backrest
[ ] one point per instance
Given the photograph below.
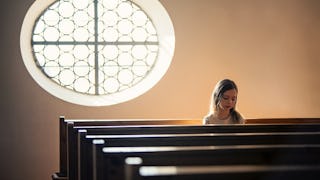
(81, 158)
(110, 162)
(225, 172)
(68, 138)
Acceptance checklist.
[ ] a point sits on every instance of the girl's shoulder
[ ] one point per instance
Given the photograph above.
(241, 119)
(208, 118)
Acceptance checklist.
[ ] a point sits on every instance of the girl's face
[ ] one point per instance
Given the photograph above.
(228, 100)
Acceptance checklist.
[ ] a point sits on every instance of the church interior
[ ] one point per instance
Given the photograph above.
(269, 47)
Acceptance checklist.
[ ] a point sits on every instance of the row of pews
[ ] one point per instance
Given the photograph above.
(157, 149)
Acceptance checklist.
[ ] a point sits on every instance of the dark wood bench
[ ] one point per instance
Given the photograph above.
(68, 135)
(226, 172)
(110, 162)
(283, 121)
(285, 138)
(68, 138)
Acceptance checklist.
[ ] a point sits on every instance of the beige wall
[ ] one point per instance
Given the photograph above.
(269, 47)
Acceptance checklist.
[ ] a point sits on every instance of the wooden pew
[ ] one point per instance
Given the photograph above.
(63, 133)
(226, 172)
(110, 162)
(84, 149)
(193, 140)
(66, 149)
(283, 121)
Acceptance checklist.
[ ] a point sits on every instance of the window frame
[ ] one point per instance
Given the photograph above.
(166, 38)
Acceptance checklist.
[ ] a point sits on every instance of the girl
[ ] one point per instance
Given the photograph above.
(223, 104)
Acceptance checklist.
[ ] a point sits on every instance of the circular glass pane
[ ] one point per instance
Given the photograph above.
(114, 50)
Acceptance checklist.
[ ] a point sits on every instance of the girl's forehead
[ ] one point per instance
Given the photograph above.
(231, 92)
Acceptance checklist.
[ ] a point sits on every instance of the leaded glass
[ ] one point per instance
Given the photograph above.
(95, 47)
